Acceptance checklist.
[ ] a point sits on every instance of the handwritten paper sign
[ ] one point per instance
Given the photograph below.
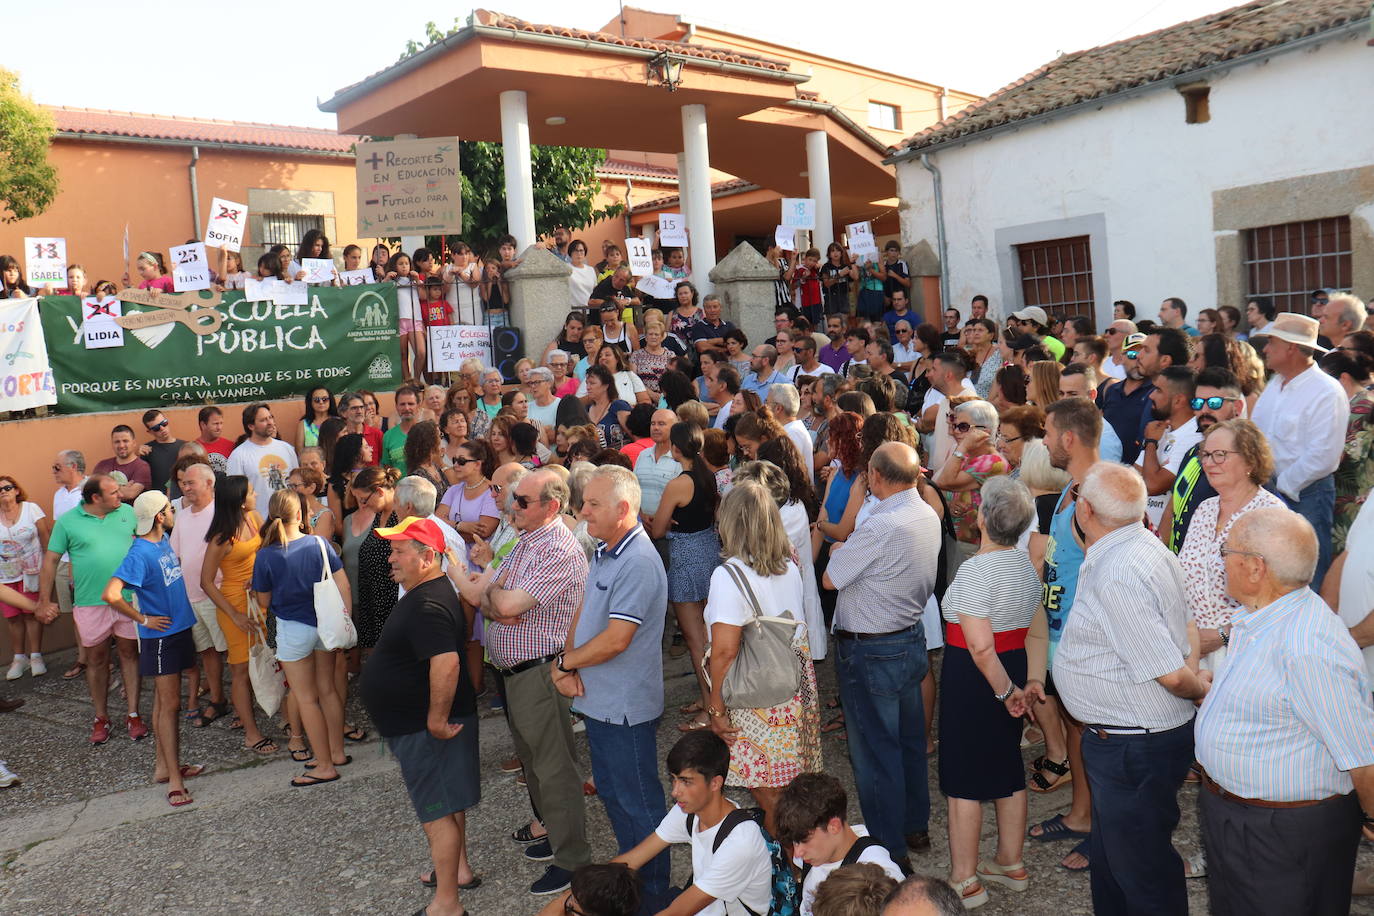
(25, 377)
(227, 221)
(449, 345)
(98, 322)
(409, 187)
(639, 256)
(656, 287)
(861, 241)
(784, 237)
(190, 267)
(46, 261)
(799, 213)
(291, 293)
(357, 277)
(318, 270)
(259, 290)
(672, 229)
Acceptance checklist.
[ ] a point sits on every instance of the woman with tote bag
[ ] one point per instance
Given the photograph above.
(292, 576)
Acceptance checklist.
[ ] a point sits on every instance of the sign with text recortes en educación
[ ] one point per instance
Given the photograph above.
(45, 261)
(450, 344)
(672, 229)
(799, 213)
(190, 267)
(341, 337)
(227, 221)
(409, 187)
(26, 380)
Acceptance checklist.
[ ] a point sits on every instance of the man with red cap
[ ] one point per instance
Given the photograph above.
(418, 692)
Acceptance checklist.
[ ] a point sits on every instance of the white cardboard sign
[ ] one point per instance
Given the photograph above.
(799, 213)
(190, 267)
(450, 344)
(318, 270)
(291, 293)
(45, 261)
(227, 222)
(639, 256)
(98, 322)
(861, 239)
(260, 290)
(656, 287)
(784, 238)
(356, 277)
(672, 229)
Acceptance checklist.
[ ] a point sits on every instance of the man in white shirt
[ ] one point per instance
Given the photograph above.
(1114, 365)
(904, 353)
(187, 537)
(1172, 430)
(655, 467)
(722, 391)
(69, 471)
(785, 402)
(808, 363)
(263, 458)
(1303, 413)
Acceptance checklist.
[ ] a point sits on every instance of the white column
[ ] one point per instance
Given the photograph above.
(818, 178)
(696, 172)
(515, 145)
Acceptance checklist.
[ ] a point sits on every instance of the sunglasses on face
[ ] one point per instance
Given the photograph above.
(524, 501)
(1131, 354)
(1112, 331)
(1212, 403)
(6, 488)
(156, 426)
(464, 462)
(961, 427)
(320, 400)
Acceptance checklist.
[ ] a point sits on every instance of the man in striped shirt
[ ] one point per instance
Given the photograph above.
(1121, 669)
(1286, 736)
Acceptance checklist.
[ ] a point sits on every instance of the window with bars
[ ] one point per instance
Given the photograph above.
(287, 229)
(1057, 275)
(1289, 261)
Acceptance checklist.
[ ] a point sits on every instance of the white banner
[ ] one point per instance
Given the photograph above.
(672, 230)
(225, 229)
(450, 344)
(25, 379)
(46, 261)
(190, 267)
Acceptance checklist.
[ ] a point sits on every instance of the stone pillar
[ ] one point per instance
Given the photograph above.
(818, 181)
(701, 222)
(539, 297)
(744, 282)
(515, 147)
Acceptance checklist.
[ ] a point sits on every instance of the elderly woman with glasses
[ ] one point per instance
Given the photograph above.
(1236, 459)
(974, 459)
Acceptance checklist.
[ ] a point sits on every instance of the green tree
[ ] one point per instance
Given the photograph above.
(565, 182)
(28, 184)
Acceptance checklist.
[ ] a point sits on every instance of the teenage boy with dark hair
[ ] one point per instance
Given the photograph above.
(811, 816)
(603, 890)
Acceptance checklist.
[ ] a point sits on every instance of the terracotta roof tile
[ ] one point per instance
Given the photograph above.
(719, 189)
(1161, 55)
(637, 169)
(168, 127)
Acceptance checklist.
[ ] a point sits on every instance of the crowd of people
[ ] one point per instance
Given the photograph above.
(1095, 535)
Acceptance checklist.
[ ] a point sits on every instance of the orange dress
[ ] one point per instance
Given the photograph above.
(237, 570)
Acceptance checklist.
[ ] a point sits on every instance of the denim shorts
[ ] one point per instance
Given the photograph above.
(296, 641)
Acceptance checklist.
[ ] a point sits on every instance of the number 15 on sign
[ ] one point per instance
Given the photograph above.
(799, 213)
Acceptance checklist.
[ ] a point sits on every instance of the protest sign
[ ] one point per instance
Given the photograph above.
(292, 292)
(409, 187)
(639, 256)
(98, 322)
(672, 229)
(45, 261)
(318, 270)
(25, 377)
(190, 267)
(450, 344)
(356, 277)
(784, 237)
(343, 338)
(655, 287)
(799, 213)
(861, 241)
(227, 221)
(261, 290)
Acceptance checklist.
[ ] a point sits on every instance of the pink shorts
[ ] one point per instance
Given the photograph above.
(10, 611)
(408, 326)
(96, 623)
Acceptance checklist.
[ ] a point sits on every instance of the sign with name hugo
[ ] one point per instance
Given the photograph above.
(409, 187)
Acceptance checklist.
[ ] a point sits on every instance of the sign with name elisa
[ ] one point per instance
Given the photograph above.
(409, 187)
(227, 220)
(190, 267)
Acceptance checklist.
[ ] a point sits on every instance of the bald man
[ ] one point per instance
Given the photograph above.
(1286, 736)
(1114, 365)
(655, 467)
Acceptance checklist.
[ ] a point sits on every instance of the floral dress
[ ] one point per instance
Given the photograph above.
(651, 366)
(963, 507)
(1355, 474)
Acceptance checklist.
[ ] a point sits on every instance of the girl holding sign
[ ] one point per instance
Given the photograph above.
(836, 274)
(464, 284)
(152, 270)
(381, 260)
(314, 244)
(234, 274)
(411, 323)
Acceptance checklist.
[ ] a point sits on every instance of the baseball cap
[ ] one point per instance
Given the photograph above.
(1132, 341)
(146, 509)
(1033, 313)
(416, 529)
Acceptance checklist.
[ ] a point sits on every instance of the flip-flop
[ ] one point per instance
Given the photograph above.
(295, 752)
(693, 726)
(312, 780)
(356, 735)
(1082, 850)
(1055, 829)
(348, 758)
(200, 719)
(178, 797)
(261, 748)
(74, 672)
(188, 771)
(691, 709)
(429, 881)
(834, 725)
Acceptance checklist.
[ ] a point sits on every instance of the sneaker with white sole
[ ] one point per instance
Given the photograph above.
(8, 777)
(17, 668)
(37, 665)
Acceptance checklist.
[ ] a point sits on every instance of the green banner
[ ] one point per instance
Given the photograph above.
(344, 338)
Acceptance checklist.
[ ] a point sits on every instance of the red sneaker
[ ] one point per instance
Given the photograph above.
(100, 730)
(137, 730)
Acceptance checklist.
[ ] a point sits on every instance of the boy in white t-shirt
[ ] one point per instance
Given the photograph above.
(731, 878)
(811, 815)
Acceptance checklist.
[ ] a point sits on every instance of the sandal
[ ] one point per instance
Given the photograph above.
(1039, 782)
(296, 753)
(236, 724)
(263, 748)
(178, 797)
(526, 835)
(1014, 877)
(74, 672)
(1054, 830)
(203, 718)
(1082, 850)
(430, 881)
(834, 725)
(691, 709)
(972, 899)
(188, 771)
(312, 780)
(356, 734)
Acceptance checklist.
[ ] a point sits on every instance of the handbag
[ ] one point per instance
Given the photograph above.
(766, 671)
(264, 671)
(332, 622)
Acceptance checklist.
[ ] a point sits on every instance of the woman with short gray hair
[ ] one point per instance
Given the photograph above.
(988, 608)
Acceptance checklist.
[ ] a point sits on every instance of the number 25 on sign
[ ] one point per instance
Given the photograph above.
(799, 213)
(190, 269)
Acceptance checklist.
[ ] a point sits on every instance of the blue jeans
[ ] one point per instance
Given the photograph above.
(499, 319)
(880, 688)
(1135, 781)
(1317, 504)
(625, 767)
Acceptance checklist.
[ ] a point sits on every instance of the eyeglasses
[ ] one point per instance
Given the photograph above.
(1006, 439)
(524, 501)
(1130, 354)
(362, 407)
(1218, 456)
(319, 400)
(497, 488)
(464, 462)
(1213, 403)
(903, 331)
(156, 426)
(1229, 551)
(6, 488)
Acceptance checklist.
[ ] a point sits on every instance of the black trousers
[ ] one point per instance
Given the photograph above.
(1280, 860)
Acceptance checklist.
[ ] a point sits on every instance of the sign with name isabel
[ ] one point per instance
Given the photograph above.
(46, 261)
(409, 187)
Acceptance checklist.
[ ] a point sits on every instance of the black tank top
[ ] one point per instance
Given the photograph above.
(699, 513)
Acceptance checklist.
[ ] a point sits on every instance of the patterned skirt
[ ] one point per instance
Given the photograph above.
(774, 745)
(692, 557)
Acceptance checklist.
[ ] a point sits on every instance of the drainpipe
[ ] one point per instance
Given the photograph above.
(629, 189)
(195, 193)
(939, 227)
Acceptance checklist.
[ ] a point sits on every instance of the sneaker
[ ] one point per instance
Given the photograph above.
(520, 779)
(37, 666)
(511, 765)
(137, 730)
(7, 776)
(498, 703)
(555, 881)
(17, 668)
(541, 851)
(100, 730)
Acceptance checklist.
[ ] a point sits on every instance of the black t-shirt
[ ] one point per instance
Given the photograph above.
(606, 291)
(394, 687)
(951, 341)
(161, 457)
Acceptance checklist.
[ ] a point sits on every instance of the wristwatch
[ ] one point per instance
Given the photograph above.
(1154, 442)
(559, 662)
(1225, 637)
(1002, 697)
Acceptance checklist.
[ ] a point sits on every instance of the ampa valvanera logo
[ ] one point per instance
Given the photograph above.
(380, 368)
(370, 311)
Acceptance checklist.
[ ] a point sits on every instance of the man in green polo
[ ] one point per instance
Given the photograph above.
(394, 442)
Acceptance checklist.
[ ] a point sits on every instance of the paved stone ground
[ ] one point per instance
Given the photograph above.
(87, 833)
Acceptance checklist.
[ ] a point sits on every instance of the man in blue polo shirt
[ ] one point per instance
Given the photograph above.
(762, 374)
(613, 665)
(165, 619)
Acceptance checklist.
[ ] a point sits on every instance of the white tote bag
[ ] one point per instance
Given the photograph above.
(264, 671)
(333, 623)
